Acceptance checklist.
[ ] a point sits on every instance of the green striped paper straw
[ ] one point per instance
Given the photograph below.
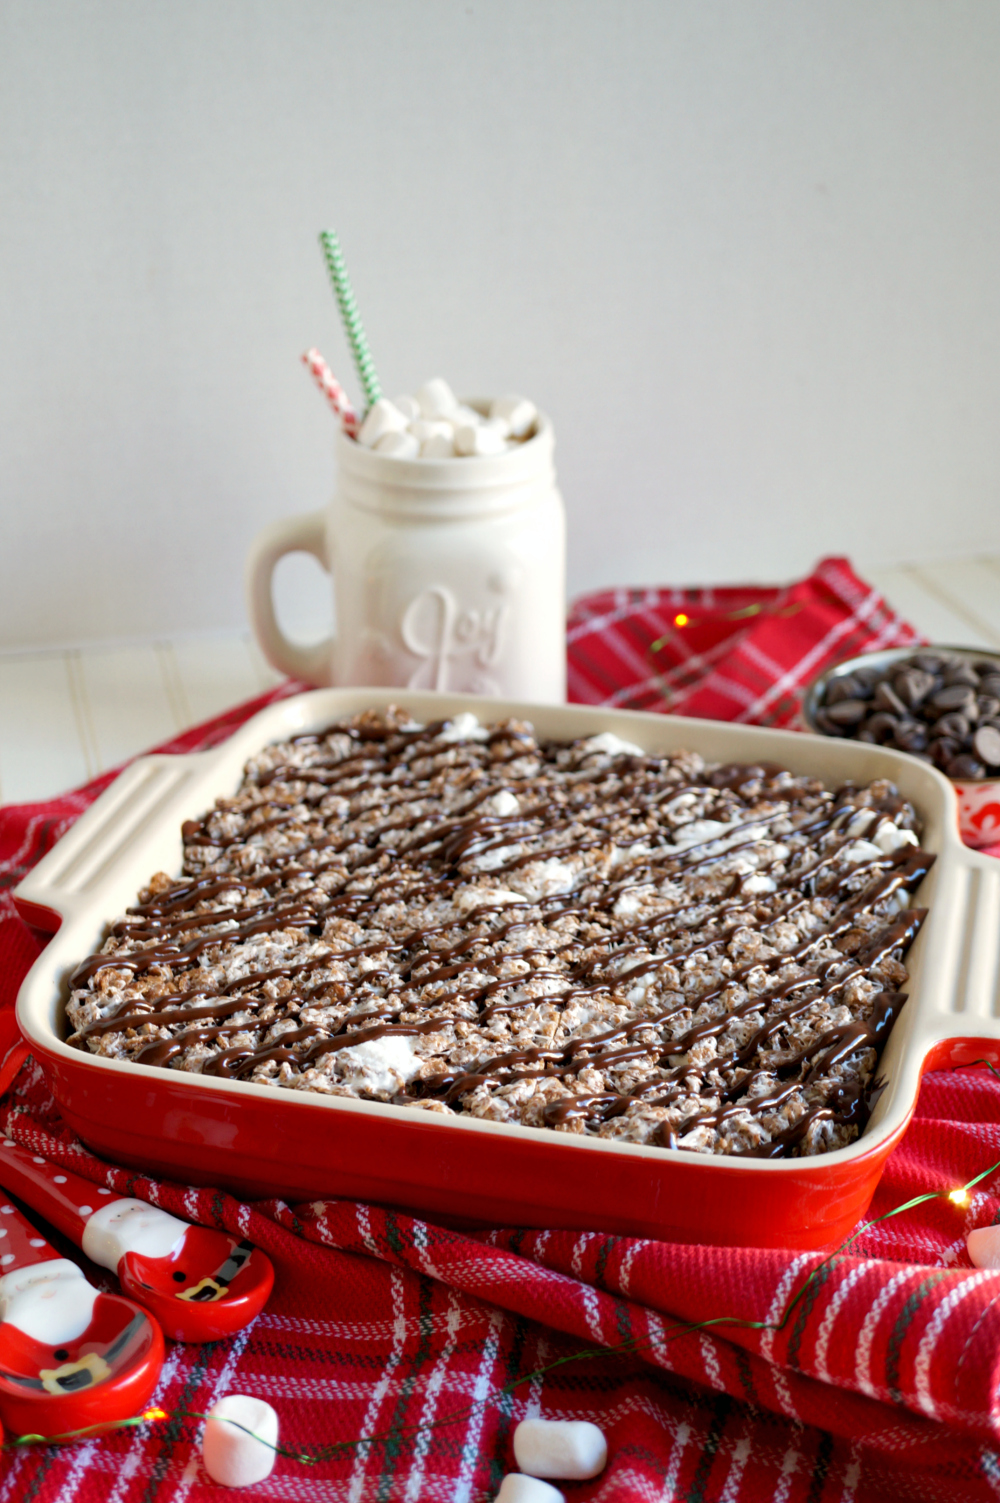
(353, 327)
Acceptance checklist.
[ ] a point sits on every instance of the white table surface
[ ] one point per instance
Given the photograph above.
(66, 715)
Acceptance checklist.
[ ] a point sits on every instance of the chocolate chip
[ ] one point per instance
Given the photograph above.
(965, 767)
(910, 736)
(944, 749)
(962, 673)
(881, 725)
(847, 712)
(927, 704)
(952, 724)
(954, 697)
(986, 745)
(912, 686)
(869, 677)
(839, 689)
(886, 698)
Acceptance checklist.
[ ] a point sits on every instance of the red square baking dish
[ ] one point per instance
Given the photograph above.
(260, 1140)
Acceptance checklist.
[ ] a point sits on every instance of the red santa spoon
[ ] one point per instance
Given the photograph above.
(200, 1284)
(70, 1356)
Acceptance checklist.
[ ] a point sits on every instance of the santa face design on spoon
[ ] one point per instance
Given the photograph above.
(171, 1266)
(201, 1284)
(70, 1356)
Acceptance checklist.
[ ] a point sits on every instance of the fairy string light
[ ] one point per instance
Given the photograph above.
(400, 1433)
(960, 1196)
(969, 1063)
(745, 612)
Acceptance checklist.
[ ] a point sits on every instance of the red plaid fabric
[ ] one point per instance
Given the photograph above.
(730, 654)
(876, 1375)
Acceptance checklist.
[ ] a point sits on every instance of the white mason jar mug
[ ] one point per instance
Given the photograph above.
(447, 574)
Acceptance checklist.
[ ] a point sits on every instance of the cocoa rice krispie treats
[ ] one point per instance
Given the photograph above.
(579, 936)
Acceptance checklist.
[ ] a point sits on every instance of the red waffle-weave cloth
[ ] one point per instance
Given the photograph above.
(739, 653)
(883, 1384)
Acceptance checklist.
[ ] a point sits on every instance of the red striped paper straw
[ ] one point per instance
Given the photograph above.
(332, 390)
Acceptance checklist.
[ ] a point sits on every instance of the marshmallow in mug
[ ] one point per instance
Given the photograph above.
(434, 424)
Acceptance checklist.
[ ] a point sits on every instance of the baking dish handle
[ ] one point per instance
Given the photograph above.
(64, 879)
(963, 970)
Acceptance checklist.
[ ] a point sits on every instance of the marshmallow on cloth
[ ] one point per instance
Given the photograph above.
(573, 1449)
(231, 1455)
(517, 1488)
(984, 1246)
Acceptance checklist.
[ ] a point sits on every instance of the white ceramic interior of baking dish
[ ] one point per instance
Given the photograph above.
(133, 830)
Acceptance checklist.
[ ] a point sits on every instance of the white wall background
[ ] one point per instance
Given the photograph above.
(745, 253)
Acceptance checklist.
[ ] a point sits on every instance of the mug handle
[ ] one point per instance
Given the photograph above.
(302, 534)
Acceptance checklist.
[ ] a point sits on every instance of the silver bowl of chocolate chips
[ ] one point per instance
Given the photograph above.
(941, 704)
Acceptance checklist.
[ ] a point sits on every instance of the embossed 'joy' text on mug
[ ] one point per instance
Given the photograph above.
(447, 574)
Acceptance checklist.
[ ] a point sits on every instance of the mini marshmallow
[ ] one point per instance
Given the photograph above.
(408, 406)
(759, 882)
(231, 1456)
(436, 399)
(438, 446)
(383, 417)
(425, 428)
(890, 838)
(517, 1488)
(480, 439)
(463, 414)
(862, 850)
(984, 1246)
(463, 727)
(503, 803)
(517, 412)
(612, 745)
(573, 1449)
(443, 426)
(399, 445)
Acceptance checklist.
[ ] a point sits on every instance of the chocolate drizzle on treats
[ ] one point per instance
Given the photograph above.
(573, 936)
